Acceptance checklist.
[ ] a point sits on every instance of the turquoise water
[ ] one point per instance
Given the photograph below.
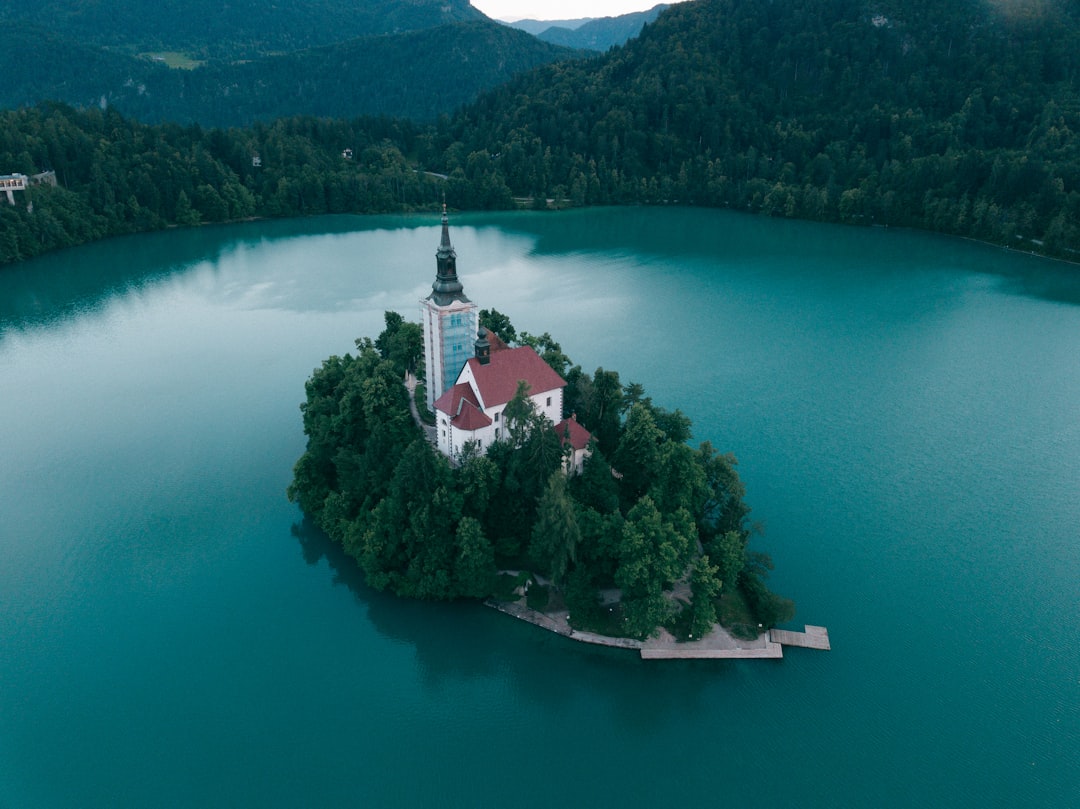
(905, 408)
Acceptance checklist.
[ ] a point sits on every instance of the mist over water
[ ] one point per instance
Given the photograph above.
(905, 409)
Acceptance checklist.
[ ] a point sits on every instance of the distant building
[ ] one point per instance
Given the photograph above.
(44, 178)
(574, 440)
(10, 183)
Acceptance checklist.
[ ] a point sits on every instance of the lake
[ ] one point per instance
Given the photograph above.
(906, 413)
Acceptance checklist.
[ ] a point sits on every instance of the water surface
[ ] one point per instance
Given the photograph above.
(905, 408)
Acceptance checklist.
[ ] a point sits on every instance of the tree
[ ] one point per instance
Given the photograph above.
(185, 213)
(499, 324)
(474, 568)
(729, 551)
(638, 453)
(723, 509)
(401, 342)
(652, 554)
(555, 534)
(704, 587)
(518, 413)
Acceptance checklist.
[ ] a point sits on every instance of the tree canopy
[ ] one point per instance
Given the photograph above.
(424, 528)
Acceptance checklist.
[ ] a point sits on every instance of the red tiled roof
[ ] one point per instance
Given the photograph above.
(469, 417)
(498, 380)
(450, 401)
(579, 437)
(496, 342)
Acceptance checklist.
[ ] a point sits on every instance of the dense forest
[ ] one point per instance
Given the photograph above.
(953, 115)
(423, 528)
(238, 29)
(417, 75)
(957, 116)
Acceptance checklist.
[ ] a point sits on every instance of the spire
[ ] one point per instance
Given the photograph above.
(447, 288)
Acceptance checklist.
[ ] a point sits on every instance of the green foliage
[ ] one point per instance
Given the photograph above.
(729, 551)
(704, 588)
(401, 342)
(767, 608)
(239, 29)
(499, 324)
(555, 534)
(475, 564)
(951, 116)
(424, 529)
(537, 597)
(954, 116)
(518, 415)
(638, 453)
(117, 176)
(375, 75)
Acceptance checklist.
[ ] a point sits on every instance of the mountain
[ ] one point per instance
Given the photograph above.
(952, 115)
(958, 116)
(237, 29)
(536, 27)
(418, 75)
(601, 34)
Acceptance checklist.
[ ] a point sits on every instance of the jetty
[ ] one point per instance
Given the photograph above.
(719, 644)
(815, 637)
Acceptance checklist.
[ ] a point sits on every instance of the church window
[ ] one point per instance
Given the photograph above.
(549, 401)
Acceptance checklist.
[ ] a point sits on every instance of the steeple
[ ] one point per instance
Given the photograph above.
(447, 288)
(449, 320)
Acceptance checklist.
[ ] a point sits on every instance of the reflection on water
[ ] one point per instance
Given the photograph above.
(904, 407)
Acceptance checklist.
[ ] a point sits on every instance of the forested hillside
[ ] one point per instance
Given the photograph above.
(958, 116)
(601, 34)
(952, 115)
(117, 176)
(238, 29)
(417, 75)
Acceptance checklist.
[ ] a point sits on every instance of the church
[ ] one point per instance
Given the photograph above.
(472, 375)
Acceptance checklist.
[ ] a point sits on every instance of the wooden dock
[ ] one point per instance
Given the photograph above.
(681, 652)
(815, 637)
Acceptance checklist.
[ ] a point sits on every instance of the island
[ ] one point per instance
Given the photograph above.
(459, 458)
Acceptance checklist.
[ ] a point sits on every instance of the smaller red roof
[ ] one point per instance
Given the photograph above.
(450, 401)
(570, 430)
(470, 417)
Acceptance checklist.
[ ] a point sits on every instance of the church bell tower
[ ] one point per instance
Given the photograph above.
(449, 320)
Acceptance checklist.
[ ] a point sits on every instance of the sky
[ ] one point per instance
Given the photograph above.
(511, 10)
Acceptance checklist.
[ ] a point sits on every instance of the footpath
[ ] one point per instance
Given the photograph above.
(719, 644)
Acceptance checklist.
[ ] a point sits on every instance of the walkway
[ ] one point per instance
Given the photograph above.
(429, 430)
(717, 645)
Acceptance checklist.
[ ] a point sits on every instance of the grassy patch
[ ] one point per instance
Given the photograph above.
(537, 597)
(679, 622)
(505, 584)
(735, 615)
(603, 620)
(174, 59)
